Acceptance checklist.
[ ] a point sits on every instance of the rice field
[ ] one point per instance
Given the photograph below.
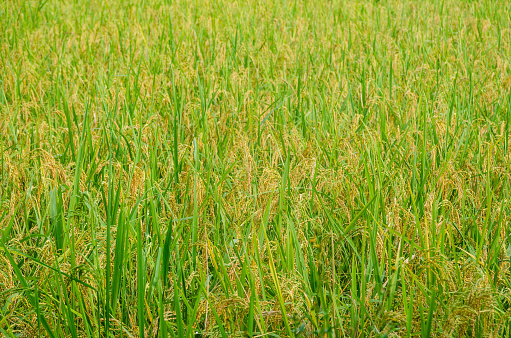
(257, 168)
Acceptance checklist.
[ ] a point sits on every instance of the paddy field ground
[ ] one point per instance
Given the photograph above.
(255, 168)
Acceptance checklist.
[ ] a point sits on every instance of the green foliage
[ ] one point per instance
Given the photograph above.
(257, 168)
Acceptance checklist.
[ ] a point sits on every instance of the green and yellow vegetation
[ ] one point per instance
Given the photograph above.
(174, 168)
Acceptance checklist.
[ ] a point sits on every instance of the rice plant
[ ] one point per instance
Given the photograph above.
(288, 168)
